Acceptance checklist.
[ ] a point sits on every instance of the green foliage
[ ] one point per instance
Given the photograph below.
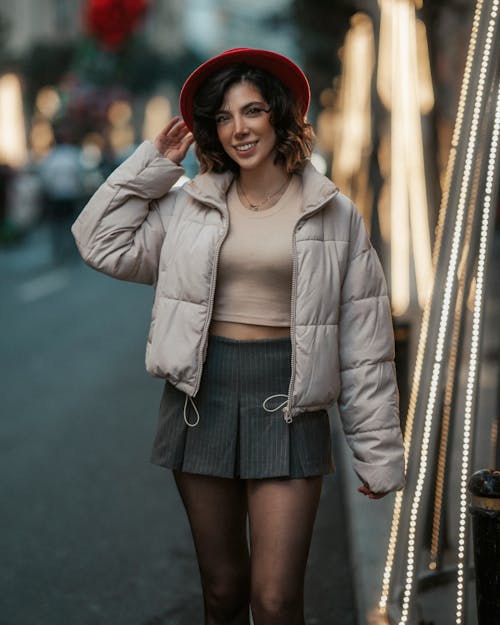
(136, 66)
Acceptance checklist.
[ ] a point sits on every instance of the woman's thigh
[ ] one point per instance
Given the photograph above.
(282, 514)
(217, 511)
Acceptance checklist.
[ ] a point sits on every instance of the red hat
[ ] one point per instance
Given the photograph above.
(280, 66)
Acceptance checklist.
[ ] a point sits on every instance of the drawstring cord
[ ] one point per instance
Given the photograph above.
(287, 417)
(282, 406)
(186, 420)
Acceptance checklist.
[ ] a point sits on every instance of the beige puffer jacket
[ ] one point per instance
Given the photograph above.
(137, 228)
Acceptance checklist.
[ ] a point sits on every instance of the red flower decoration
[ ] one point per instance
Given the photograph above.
(112, 21)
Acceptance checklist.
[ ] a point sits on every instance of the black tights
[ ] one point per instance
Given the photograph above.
(270, 578)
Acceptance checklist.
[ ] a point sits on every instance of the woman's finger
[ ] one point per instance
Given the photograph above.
(370, 494)
(173, 130)
(169, 126)
(175, 137)
(184, 146)
(179, 128)
(174, 140)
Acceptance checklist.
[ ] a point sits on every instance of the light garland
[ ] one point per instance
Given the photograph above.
(450, 381)
(438, 355)
(474, 348)
(424, 329)
(457, 245)
(445, 425)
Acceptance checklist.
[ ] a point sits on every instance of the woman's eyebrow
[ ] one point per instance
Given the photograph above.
(253, 104)
(245, 106)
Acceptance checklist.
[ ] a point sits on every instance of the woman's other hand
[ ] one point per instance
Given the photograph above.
(174, 140)
(366, 491)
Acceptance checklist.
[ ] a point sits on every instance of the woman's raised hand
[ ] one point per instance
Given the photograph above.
(174, 140)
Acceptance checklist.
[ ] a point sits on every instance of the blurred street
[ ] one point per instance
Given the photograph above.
(92, 534)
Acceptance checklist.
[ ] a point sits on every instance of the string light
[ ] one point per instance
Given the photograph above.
(474, 350)
(405, 89)
(450, 383)
(12, 129)
(352, 138)
(445, 424)
(444, 320)
(465, 181)
(424, 328)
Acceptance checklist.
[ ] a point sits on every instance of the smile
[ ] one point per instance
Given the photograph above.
(245, 147)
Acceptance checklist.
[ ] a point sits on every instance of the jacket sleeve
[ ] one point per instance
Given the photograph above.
(369, 398)
(121, 230)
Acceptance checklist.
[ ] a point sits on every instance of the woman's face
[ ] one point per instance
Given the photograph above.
(244, 128)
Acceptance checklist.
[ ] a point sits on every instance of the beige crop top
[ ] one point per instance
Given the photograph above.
(254, 279)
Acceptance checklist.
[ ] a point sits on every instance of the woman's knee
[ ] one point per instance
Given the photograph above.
(227, 598)
(271, 606)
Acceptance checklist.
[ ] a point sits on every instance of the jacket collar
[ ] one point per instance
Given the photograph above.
(317, 189)
(210, 188)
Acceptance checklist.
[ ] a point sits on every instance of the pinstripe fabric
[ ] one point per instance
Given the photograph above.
(235, 436)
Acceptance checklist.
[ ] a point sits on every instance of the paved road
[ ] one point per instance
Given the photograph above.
(92, 534)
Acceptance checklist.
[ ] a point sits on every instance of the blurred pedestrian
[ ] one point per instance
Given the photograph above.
(271, 305)
(62, 179)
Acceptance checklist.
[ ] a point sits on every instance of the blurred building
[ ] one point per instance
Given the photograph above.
(171, 26)
(44, 20)
(59, 21)
(211, 26)
(164, 28)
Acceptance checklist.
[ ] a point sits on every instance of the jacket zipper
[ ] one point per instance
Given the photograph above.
(204, 342)
(204, 338)
(287, 409)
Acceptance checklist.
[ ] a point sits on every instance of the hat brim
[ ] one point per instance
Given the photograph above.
(280, 66)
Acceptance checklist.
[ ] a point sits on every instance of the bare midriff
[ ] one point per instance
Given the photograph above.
(247, 331)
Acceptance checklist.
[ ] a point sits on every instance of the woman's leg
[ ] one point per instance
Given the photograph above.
(282, 514)
(217, 512)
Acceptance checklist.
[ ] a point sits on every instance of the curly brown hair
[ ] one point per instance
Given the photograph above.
(294, 135)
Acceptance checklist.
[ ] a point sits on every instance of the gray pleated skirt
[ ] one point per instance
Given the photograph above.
(235, 436)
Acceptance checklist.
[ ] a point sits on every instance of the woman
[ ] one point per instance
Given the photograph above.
(270, 306)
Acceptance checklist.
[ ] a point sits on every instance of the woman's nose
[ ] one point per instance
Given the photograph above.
(240, 126)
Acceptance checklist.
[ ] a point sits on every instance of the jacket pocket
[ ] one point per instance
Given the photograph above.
(317, 381)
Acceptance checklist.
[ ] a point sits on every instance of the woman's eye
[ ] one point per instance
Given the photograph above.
(254, 111)
(221, 119)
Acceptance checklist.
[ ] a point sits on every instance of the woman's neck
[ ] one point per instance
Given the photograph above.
(259, 182)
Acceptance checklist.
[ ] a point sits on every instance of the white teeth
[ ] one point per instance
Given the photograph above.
(244, 148)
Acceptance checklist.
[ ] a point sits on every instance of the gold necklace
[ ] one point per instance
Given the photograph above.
(258, 206)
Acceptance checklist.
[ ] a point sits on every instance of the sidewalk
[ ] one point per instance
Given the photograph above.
(370, 520)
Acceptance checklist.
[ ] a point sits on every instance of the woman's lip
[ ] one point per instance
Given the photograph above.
(249, 151)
